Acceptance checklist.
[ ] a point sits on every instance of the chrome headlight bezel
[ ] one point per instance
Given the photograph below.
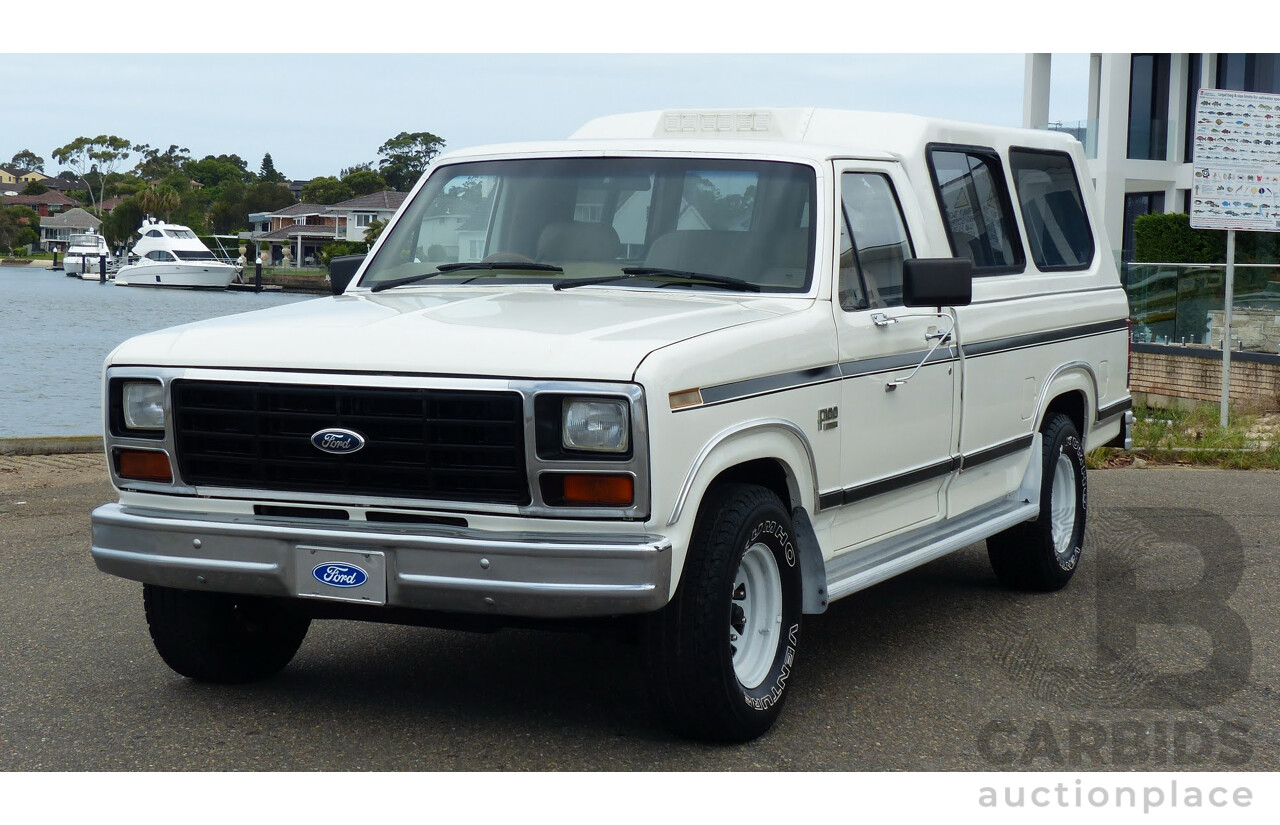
(595, 425)
(142, 406)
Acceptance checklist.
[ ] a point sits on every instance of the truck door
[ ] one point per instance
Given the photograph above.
(898, 439)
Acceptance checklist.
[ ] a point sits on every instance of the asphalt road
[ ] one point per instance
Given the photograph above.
(1161, 654)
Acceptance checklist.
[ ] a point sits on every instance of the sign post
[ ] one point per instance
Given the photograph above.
(1236, 172)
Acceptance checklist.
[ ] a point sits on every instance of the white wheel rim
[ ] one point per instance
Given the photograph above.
(755, 615)
(1062, 505)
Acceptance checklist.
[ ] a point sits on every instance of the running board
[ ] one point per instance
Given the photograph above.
(861, 569)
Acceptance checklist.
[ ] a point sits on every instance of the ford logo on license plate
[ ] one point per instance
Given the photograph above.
(337, 574)
(337, 441)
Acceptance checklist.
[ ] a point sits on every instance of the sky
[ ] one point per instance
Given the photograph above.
(319, 113)
(321, 87)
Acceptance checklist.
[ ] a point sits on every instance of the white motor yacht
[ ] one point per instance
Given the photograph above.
(83, 254)
(170, 254)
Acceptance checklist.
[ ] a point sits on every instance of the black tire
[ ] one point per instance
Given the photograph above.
(689, 652)
(221, 637)
(1027, 557)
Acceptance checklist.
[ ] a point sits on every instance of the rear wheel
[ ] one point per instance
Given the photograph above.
(1043, 554)
(721, 653)
(222, 637)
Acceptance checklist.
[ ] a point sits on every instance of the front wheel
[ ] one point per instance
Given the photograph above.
(222, 637)
(721, 653)
(1043, 554)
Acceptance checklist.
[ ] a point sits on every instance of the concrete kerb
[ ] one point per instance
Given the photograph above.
(51, 445)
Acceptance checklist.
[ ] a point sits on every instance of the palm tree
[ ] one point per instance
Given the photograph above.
(159, 200)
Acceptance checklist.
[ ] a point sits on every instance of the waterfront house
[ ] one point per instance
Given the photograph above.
(357, 214)
(302, 227)
(49, 203)
(56, 231)
(307, 227)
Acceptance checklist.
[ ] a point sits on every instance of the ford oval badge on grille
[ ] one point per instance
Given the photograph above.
(338, 442)
(337, 574)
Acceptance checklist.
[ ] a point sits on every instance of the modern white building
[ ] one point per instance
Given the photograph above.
(1140, 118)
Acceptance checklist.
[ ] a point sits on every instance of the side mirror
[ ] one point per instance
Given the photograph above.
(341, 270)
(937, 282)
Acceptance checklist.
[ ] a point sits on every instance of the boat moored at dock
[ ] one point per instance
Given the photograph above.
(171, 255)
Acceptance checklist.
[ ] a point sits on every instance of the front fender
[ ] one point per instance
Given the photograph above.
(775, 439)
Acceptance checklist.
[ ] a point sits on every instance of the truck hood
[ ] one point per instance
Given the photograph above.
(522, 332)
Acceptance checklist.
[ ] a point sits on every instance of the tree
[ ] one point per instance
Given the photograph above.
(227, 212)
(123, 221)
(267, 171)
(267, 197)
(160, 200)
(326, 190)
(19, 226)
(364, 182)
(27, 161)
(100, 154)
(156, 165)
(215, 171)
(405, 157)
(373, 231)
(359, 167)
(34, 187)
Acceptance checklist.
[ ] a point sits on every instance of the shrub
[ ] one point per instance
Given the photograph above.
(337, 248)
(1170, 239)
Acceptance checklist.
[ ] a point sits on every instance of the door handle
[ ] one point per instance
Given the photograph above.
(937, 336)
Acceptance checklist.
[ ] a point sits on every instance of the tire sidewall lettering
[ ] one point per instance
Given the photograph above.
(780, 541)
(782, 536)
(1075, 452)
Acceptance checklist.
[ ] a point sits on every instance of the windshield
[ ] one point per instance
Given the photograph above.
(183, 234)
(560, 220)
(194, 255)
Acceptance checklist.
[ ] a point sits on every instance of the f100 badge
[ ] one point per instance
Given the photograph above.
(337, 441)
(337, 574)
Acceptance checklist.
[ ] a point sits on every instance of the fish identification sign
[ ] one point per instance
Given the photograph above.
(1236, 161)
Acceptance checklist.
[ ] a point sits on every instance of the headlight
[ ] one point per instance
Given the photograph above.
(143, 405)
(596, 424)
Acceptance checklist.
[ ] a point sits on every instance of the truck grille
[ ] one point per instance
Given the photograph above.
(453, 445)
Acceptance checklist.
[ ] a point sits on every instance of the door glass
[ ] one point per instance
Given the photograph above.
(879, 241)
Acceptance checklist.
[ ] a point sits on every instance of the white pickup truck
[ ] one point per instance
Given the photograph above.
(703, 372)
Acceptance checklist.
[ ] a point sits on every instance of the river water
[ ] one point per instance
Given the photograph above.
(55, 332)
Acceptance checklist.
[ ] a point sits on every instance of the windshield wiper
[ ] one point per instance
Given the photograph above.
(629, 272)
(464, 265)
(524, 265)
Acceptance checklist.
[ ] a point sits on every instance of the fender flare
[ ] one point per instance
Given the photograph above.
(801, 466)
(1074, 376)
(774, 439)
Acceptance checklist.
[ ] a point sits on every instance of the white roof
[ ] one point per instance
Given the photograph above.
(808, 133)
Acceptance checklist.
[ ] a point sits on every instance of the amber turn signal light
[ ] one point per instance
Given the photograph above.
(143, 465)
(596, 490)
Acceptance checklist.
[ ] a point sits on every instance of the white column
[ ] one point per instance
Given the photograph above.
(1177, 117)
(1035, 90)
(1113, 144)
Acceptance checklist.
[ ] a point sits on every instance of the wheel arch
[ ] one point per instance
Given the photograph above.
(1071, 390)
(774, 454)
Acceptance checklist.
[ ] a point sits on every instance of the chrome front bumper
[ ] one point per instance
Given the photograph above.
(431, 568)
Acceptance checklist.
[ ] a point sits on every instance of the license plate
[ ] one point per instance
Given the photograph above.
(341, 575)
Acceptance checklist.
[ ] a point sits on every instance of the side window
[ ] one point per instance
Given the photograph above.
(873, 242)
(975, 206)
(1052, 209)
